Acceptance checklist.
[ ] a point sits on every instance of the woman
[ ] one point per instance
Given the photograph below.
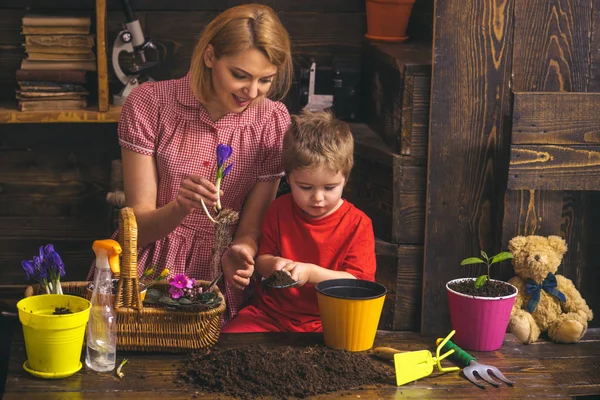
(169, 132)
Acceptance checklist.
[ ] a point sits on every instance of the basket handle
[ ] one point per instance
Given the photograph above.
(128, 290)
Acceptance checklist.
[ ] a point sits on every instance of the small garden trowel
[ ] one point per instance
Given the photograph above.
(413, 365)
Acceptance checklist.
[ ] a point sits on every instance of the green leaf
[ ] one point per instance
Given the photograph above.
(207, 297)
(501, 257)
(472, 260)
(153, 294)
(185, 301)
(168, 301)
(484, 255)
(480, 281)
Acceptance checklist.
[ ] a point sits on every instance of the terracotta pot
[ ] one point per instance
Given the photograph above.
(387, 20)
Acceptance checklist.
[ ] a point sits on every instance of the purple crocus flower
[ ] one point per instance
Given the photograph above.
(41, 272)
(223, 154)
(226, 171)
(29, 269)
(46, 268)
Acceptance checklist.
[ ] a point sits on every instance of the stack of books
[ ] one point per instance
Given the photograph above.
(59, 54)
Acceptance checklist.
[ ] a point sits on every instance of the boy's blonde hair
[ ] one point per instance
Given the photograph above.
(249, 26)
(318, 138)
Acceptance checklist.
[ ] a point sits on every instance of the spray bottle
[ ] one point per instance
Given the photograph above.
(102, 324)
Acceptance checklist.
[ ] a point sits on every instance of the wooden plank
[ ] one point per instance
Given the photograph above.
(556, 118)
(594, 78)
(396, 102)
(552, 50)
(186, 5)
(472, 66)
(146, 374)
(53, 183)
(575, 368)
(400, 270)
(77, 255)
(415, 132)
(554, 167)
(101, 61)
(390, 193)
(409, 281)
(589, 273)
(552, 55)
(10, 115)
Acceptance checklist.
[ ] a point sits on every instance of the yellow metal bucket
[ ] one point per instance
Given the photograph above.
(53, 342)
(350, 311)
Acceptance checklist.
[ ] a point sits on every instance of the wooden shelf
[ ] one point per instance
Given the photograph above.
(9, 115)
(100, 112)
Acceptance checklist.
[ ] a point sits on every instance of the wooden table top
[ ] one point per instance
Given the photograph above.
(542, 370)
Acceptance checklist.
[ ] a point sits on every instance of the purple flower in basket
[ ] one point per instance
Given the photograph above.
(179, 281)
(175, 292)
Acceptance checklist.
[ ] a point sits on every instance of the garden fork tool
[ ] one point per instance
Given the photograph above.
(413, 365)
(471, 365)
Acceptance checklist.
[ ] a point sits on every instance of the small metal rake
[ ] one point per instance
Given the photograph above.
(472, 366)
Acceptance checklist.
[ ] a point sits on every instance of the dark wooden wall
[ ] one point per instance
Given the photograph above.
(483, 51)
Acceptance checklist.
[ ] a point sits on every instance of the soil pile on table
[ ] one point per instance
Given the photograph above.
(256, 371)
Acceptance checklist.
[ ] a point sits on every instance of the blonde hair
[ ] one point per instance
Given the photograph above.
(315, 139)
(249, 26)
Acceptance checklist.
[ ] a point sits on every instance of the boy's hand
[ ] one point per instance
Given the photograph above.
(280, 264)
(238, 265)
(300, 271)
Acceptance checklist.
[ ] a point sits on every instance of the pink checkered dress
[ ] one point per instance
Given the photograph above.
(164, 120)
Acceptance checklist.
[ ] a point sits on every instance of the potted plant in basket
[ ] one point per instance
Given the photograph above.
(53, 323)
(480, 307)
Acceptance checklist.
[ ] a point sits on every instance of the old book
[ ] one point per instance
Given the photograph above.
(49, 75)
(33, 105)
(54, 30)
(47, 96)
(67, 41)
(56, 20)
(50, 87)
(55, 24)
(35, 56)
(85, 65)
(58, 49)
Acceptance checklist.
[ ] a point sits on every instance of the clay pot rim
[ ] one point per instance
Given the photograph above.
(481, 297)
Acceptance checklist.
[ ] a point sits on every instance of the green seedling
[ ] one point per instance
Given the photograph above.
(481, 280)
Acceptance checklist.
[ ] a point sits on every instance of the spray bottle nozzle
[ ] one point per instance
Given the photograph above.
(109, 249)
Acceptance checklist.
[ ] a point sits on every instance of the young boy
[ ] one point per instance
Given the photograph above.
(312, 233)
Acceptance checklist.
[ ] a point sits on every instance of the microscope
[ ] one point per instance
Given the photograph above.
(132, 41)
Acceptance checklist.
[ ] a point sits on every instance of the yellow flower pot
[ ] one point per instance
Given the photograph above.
(53, 342)
(350, 311)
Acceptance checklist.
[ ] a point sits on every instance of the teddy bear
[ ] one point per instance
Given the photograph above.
(546, 302)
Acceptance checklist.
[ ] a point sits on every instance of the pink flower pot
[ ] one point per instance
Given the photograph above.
(480, 322)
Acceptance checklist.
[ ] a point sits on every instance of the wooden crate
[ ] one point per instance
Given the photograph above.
(388, 187)
(400, 270)
(396, 87)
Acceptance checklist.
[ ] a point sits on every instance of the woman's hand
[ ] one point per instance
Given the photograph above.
(192, 190)
(238, 265)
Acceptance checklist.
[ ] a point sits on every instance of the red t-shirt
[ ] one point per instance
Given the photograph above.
(342, 241)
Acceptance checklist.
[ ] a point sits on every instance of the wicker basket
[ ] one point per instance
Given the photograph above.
(153, 329)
